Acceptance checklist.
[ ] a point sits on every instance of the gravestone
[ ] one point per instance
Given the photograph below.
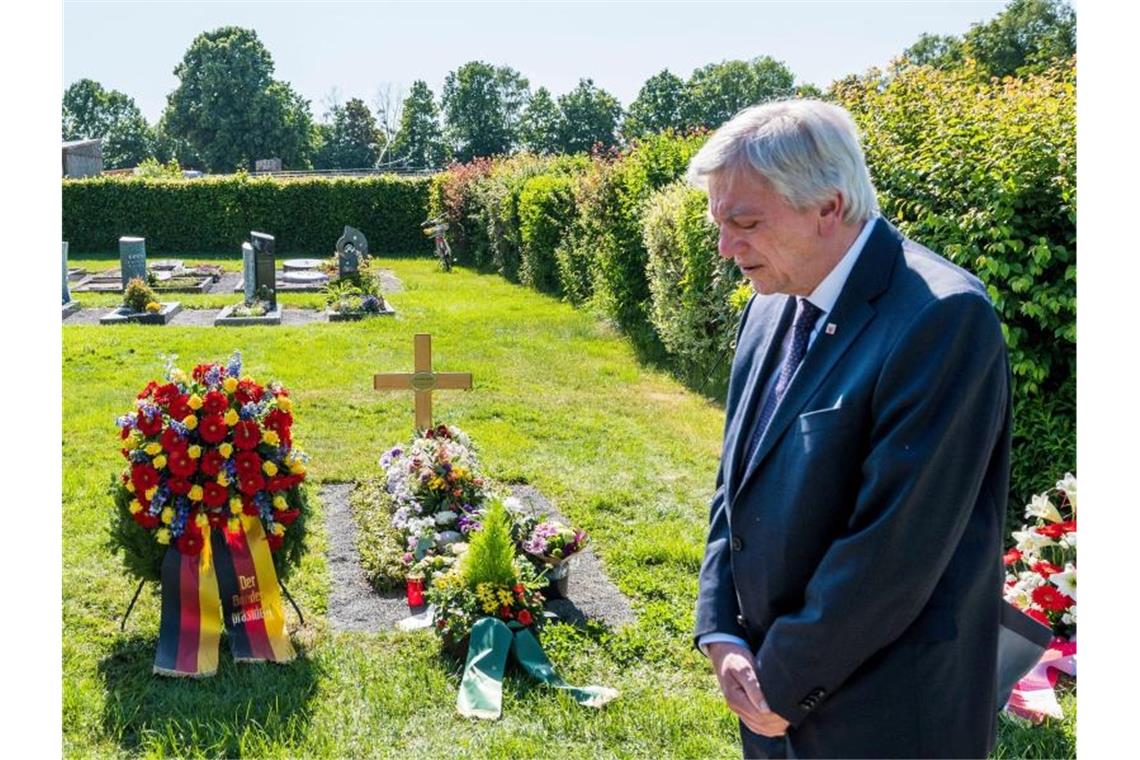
(349, 248)
(265, 266)
(300, 265)
(247, 272)
(132, 259)
(66, 293)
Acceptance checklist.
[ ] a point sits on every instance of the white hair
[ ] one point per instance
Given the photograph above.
(806, 149)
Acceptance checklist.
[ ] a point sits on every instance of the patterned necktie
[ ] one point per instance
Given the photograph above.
(806, 315)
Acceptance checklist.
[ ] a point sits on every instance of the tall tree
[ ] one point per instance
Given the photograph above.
(938, 50)
(716, 92)
(590, 116)
(419, 141)
(351, 138)
(1026, 35)
(229, 107)
(91, 111)
(482, 107)
(660, 105)
(540, 124)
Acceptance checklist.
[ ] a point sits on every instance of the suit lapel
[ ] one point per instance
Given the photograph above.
(851, 314)
(768, 352)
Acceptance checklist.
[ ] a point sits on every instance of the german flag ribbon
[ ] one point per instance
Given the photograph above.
(231, 583)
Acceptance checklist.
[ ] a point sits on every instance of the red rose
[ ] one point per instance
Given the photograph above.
(248, 391)
(215, 402)
(190, 542)
(525, 618)
(214, 495)
(144, 477)
(151, 426)
(1011, 556)
(213, 428)
(286, 517)
(275, 542)
(247, 434)
(251, 484)
(1051, 599)
(164, 394)
(211, 462)
(181, 464)
(248, 463)
(179, 408)
(171, 440)
(179, 485)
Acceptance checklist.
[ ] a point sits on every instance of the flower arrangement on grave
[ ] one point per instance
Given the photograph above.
(258, 307)
(357, 293)
(1041, 580)
(210, 504)
(140, 297)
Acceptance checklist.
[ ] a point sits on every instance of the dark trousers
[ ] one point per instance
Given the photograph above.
(757, 746)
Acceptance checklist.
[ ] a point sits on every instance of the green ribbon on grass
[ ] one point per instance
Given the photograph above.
(481, 691)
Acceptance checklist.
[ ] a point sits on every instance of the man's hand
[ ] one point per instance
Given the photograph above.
(736, 674)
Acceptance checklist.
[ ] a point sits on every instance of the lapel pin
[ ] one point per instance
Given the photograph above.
(830, 329)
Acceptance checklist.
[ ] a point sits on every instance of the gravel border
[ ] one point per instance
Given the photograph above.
(354, 605)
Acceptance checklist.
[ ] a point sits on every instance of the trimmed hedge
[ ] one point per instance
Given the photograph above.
(216, 214)
(546, 209)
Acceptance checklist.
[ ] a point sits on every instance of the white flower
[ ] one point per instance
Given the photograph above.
(1068, 541)
(1040, 506)
(1030, 541)
(1068, 485)
(1030, 580)
(446, 517)
(1070, 616)
(1066, 581)
(513, 504)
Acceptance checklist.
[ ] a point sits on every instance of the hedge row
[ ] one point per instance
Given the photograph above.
(215, 215)
(983, 172)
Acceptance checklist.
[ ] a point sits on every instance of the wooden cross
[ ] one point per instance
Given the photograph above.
(423, 381)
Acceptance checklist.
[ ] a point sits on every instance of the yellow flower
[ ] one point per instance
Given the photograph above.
(190, 421)
(225, 450)
(284, 403)
(178, 376)
(136, 439)
(130, 487)
(270, 437)
(194, 402)
(150, 492)
(235, 505)
(167, 515)
(201, 520)
(230, 384)
(163, 536)
(279, 503)
(297, 468)
(153, 307)
(135, 507)
(153, 448)
(195, 493)
(235, 525)
(194, 452)
(248, 379)
(223, 479)
(278, 529)
(159, 462)
(269, 468)
(231, 417)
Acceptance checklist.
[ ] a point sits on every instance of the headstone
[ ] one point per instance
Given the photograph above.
(267, 165)
(247, 272)
(305, 277)
(66, 292)
(349, 248)
(301, 264)
(132, 258)
(264, 266)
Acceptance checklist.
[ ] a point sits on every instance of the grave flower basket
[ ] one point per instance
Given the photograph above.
(211, 506)
(551, 546)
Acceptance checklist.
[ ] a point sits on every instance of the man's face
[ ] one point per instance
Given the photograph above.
(774, 245)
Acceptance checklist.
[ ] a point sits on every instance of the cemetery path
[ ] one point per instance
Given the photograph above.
(199, 317)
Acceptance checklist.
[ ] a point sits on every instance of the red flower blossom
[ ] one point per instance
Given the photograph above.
(251, 484)
(524, 617)
(171, 440)
(505, 613)
(248, 507)
(1051, 599)
(1039, 616)
(149, 426)
(248, 391)
(180, 463)
(149, 389)
(1011, 556)
(125, 433)
(217, 518)
(201, 371)
(247, 434)
(164, 394)
(215, 403)
(248, 463)
(144, 477)
(213, 428)
(191, 541)
(179, 485)
(286, 517)
(146, 519)
(1045, 569)
(214, 495)
(211, 462)
(275, 542)
(179, 408)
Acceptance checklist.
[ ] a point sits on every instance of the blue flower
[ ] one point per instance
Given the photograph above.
(233, 368)
(127, 420)
(250, 411)
(179, 428)
(214, 376)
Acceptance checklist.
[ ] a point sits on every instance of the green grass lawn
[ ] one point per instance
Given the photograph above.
(560, 402)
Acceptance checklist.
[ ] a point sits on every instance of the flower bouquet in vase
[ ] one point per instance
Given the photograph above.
(550, 545)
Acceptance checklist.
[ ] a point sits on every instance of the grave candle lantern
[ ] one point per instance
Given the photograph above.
(415, 592)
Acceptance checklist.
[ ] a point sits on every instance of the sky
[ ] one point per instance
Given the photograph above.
(354, 49)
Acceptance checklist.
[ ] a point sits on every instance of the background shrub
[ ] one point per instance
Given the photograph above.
(215, 215)
(546, 209)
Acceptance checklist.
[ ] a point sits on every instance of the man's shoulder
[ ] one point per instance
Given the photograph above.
(928, 276)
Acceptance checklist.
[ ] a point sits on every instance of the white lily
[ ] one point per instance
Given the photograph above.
(1066, 580)
(1042, 507)
(1068, 485)
(1030, 541)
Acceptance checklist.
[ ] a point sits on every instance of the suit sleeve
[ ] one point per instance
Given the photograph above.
(938, 410)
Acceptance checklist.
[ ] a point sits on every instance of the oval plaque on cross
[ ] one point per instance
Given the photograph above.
(423, 381)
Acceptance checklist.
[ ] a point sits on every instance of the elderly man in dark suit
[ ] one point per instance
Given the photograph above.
(850, 592)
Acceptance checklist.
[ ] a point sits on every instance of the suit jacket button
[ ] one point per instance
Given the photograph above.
(742, 622)
(737, 544)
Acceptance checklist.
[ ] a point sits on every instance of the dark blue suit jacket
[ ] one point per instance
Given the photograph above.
(859, 549)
